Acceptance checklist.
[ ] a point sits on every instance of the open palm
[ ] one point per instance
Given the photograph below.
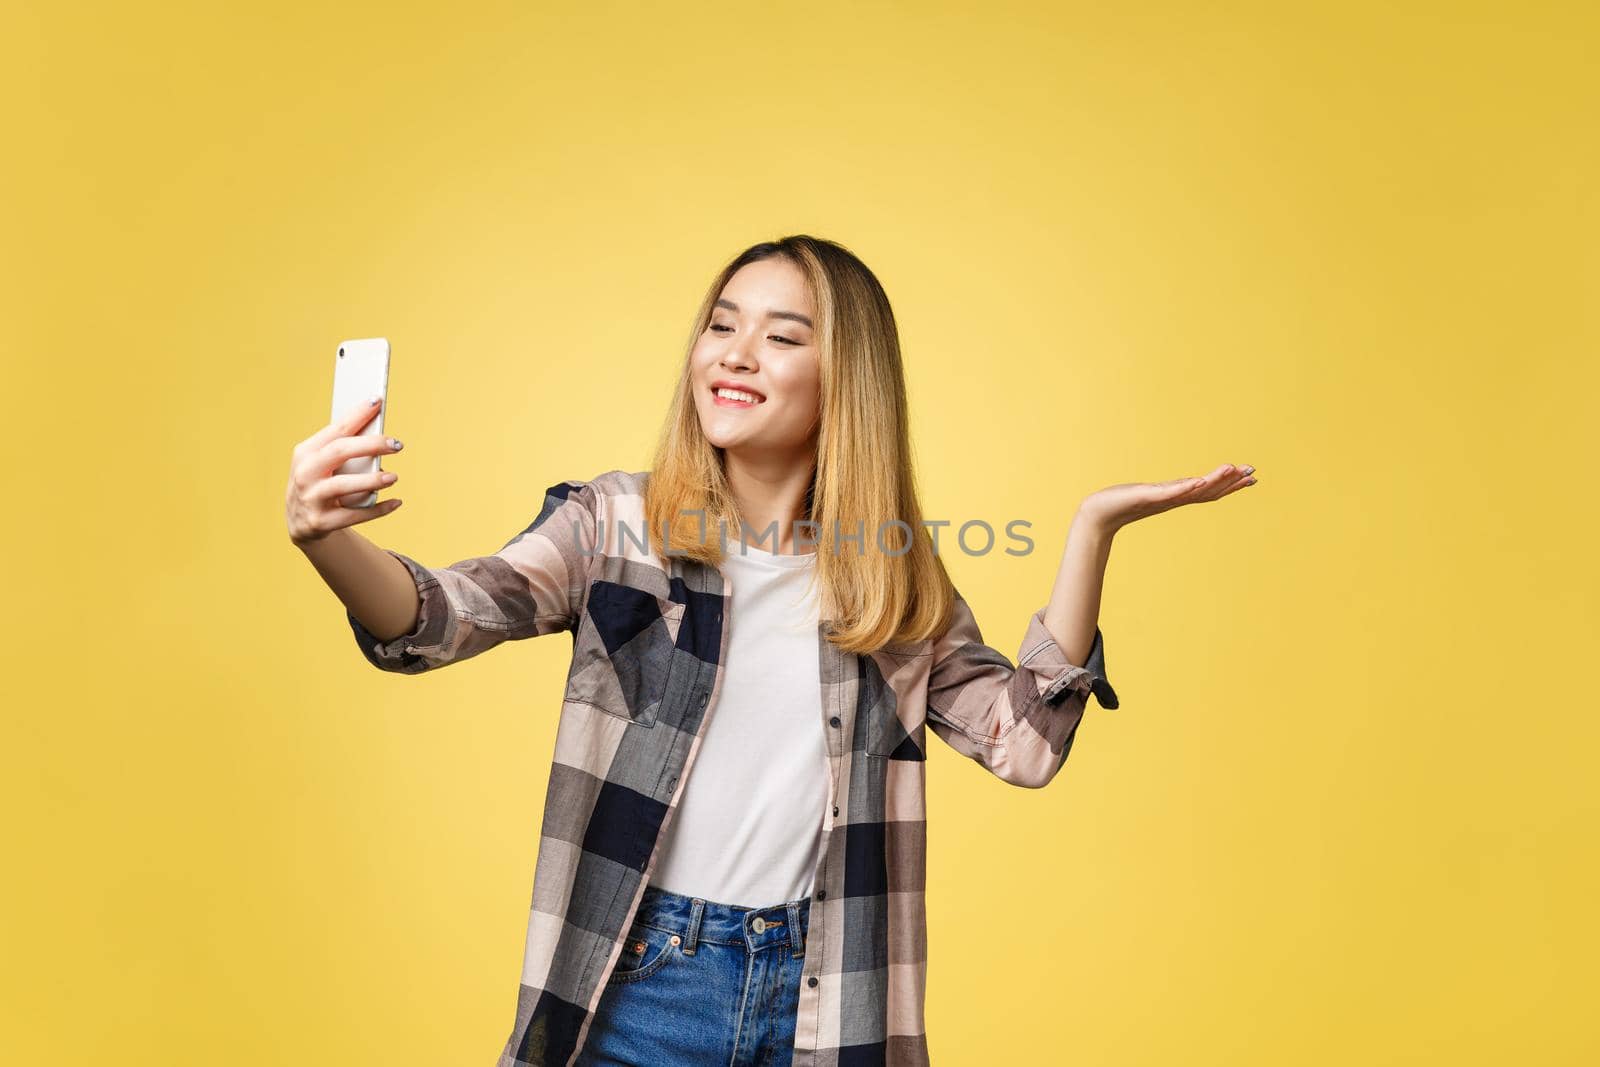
(1117, 505)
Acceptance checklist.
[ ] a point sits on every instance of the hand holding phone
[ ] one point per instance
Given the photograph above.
(318, 478)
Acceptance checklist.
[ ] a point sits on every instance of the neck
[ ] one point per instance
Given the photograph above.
(770, 492)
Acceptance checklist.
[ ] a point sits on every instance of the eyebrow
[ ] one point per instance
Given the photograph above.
(795, 315)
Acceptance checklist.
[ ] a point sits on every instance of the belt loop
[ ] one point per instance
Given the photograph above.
(697, 908)
(795, 937)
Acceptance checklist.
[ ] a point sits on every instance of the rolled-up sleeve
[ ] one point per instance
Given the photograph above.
(1044, 656)
(534, 585)
(1017, 722)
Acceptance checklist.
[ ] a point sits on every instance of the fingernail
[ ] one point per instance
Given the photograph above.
(1249, 481)
(374, 398)
(394, 443)
(1249, 470)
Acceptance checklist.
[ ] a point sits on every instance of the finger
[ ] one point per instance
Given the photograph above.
(339, 518)
(338, 450)
(1235, 478)
(1245, 478)
(350, 421)
(1220, 477)
(339, 486)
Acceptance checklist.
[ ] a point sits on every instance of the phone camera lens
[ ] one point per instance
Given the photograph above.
(341, 353)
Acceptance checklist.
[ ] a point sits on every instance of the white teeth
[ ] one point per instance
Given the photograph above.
(737, 394)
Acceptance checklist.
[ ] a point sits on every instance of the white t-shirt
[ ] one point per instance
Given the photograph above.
(749, 822)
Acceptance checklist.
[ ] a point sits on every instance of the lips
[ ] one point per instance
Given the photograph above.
(759, 398)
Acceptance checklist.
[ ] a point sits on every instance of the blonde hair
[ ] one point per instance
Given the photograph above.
(875, 593)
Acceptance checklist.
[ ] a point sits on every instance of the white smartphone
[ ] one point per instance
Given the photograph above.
(361, 369)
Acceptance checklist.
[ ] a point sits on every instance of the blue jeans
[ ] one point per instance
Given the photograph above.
(702, 983)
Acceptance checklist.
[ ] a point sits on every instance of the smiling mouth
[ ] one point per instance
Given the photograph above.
(735, 398)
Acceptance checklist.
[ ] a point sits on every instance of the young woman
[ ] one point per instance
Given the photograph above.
(731, 864)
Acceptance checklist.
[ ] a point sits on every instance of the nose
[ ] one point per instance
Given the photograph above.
(739, 354)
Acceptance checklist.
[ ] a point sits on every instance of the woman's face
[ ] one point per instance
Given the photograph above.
(760, 341)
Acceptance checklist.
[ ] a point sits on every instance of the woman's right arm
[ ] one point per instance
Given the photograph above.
(375, 586)
(408, 617)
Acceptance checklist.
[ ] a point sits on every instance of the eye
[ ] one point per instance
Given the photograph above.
(717, 327)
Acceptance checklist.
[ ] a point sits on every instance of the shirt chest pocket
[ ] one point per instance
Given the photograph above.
(623, 650)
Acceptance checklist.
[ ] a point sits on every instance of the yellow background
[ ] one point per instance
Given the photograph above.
(1346, 813)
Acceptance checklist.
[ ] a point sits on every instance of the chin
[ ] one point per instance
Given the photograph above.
(718, 440)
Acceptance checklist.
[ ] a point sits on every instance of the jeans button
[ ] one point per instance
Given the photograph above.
(758, 924)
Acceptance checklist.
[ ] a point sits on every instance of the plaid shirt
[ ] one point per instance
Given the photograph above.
(649, 643)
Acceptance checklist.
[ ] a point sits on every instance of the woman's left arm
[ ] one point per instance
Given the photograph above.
(1074, 608)
(1018, 721)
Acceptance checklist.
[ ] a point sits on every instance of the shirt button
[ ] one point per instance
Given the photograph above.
(834, 721)
(812, 980)
(836, 809)
(822, 894)
(703, 700)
